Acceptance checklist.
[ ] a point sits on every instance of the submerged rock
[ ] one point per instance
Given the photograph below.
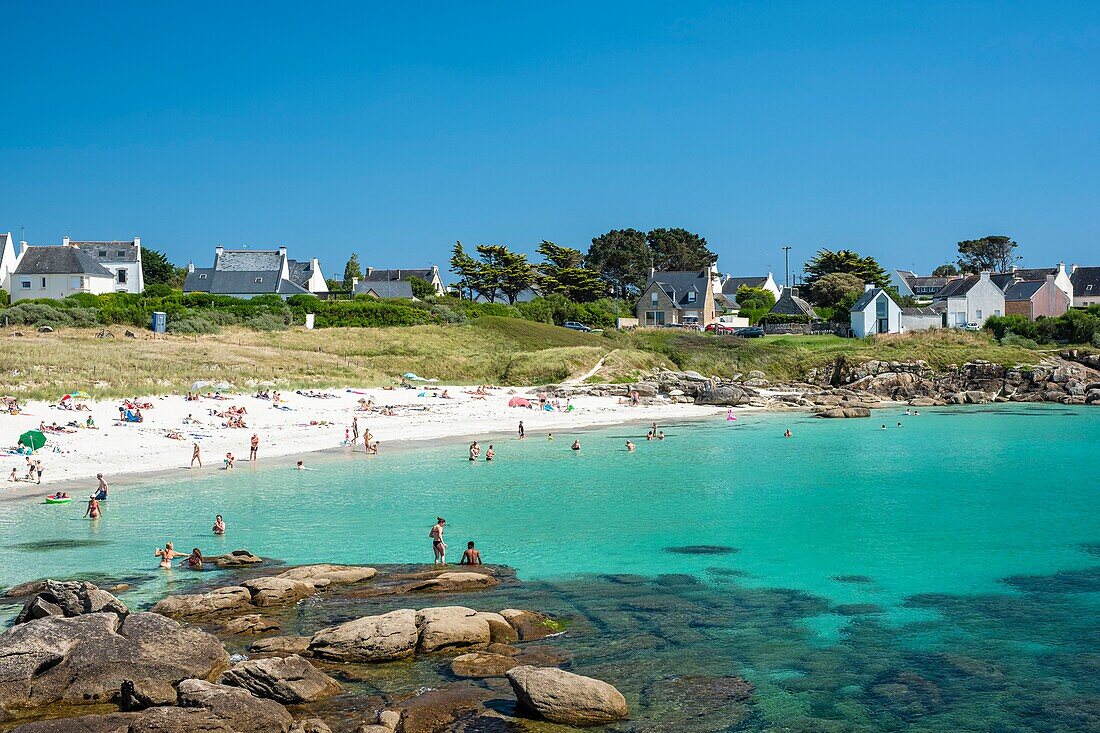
(482, 664)
(702, 550)
(564, 697)
(281, 645)
(531, 625)
(289, 680)
(437, 710)
(697, 702)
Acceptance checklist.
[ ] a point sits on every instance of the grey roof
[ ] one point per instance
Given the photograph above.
(1023, 289)
(678, 284)
(791, 304)
(1033, 273)
(1004, 280)
(958, 288)
(866, 299)
(923, 281)
(732, 284)
(384, 275)
(727, 301)
(110, 251)
(217, 282)
(249, 260)
(1083, 278)
(919, 312)
(386, 289)
(300, 272)
(59, 261)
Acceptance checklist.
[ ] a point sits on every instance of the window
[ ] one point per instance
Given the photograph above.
(74, 282)
(122, 276)
(653, 298)
(120, 253)
(103, 253)
(691, 296)
(996, 312)
(1088, 288)
(26, 284)
(978, 314)
(654, 318)
(259, 279)
(43, 283)
(202, 276)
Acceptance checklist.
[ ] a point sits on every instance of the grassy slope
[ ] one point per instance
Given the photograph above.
(486, 351)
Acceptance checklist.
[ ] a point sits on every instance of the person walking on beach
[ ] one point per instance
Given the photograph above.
(196, 455)
(355, 430)
(366, 439)
(38, 466)
(522, 433)
(471, 556)
(439, 547)
(254, 448)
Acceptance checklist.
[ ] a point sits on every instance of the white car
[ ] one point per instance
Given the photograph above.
(972, 326)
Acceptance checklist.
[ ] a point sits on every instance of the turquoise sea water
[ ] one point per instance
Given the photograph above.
(968, 532)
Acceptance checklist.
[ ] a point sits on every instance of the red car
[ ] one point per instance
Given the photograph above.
(719, 328)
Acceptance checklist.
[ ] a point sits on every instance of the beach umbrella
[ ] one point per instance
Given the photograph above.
(80, 395)
(33, 439)
(519, 402)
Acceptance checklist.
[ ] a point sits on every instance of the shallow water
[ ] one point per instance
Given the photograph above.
(941, 575)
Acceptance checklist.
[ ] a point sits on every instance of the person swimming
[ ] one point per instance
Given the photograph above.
(576, 445)
(300, 466)
(787, 433)
(630, 445)
(471, 556)
(167, 555)
(219, 525)
(661, 435)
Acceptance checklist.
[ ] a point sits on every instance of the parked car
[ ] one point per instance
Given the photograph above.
(749, 332)
(972, 326)
(575, 326)
(720, 328)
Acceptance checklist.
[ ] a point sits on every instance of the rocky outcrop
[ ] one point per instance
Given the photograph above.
(281, 645)
(500, 631)
(564, 697)
(235, 559)
(70, 598)
(240, 709)
(437, 710)
(252, 623)
(287, 587)
(452, 582)
(451, 627)
(842, 412)
(382, 638)
(84, 659)
(479, 665)
(531, 625)
(288, 680)
(726, 395)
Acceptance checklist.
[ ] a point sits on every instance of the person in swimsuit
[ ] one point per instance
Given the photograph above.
(194, 560)
(630, 445)
(167, 555)
(219, 525)
(787, 434)
(661, 435)
(489, 454)
(254, 448)
(522, 434)
(101, 492)
(475, 451)
(576, 445)
(439, 547)
(38, 465)
(229, 459)
(92, 512)
(471, 556)
(300, 466)
(196, 455)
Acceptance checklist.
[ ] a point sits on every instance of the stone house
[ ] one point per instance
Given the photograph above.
(677, 298)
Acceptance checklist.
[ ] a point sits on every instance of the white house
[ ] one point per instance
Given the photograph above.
(120, 258)
(1086, 286)
(246, 273)
(875, 312)
(922, 287)
(728, 285)
(971, 299)
(7, 260)
(57, 272)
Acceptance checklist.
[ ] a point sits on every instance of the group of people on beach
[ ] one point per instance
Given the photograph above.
(33, 474)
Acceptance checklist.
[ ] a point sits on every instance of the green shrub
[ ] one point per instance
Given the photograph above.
(267, 322)
(1011, 339)
(1000, 326)
(5, 298)
(32, 313)
(192, 324)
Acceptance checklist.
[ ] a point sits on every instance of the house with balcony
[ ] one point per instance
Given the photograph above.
(677, 298)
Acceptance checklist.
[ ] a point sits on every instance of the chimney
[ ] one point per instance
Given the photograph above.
(1061, 268)
(1072, 269)
(794, 292)
(219, 250)
(23, 246)
(282, 250)
(354, 283)
(64, 241)
(191, 266)
(369, 271)
(985, 274)
(137, 242)
(868, 287)
(314, 264)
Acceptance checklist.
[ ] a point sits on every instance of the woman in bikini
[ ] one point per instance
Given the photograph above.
(92, 512)
(439, 547)
(194, 560)
(167, 555)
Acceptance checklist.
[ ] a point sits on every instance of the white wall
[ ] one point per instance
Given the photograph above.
(58, 286)
(919, 322)
(865, 321)
(982, 301)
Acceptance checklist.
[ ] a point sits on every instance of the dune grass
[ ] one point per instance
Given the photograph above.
(485, 351)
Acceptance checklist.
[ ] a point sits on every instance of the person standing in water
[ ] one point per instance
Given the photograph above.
(490, 454)
(630, 445)
(92, 512)
(522, 433)
(167, 555)
(101, 492)
(439, 547)
(576, 444)
(219, 525)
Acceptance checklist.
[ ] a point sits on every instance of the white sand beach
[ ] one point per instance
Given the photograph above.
(298, 424)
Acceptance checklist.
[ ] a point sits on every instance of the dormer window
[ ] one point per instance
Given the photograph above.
(121, 253)
(102, 253)
(202, 276)
(259, 279)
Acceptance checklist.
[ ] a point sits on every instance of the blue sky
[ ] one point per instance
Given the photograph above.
(895, 129)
